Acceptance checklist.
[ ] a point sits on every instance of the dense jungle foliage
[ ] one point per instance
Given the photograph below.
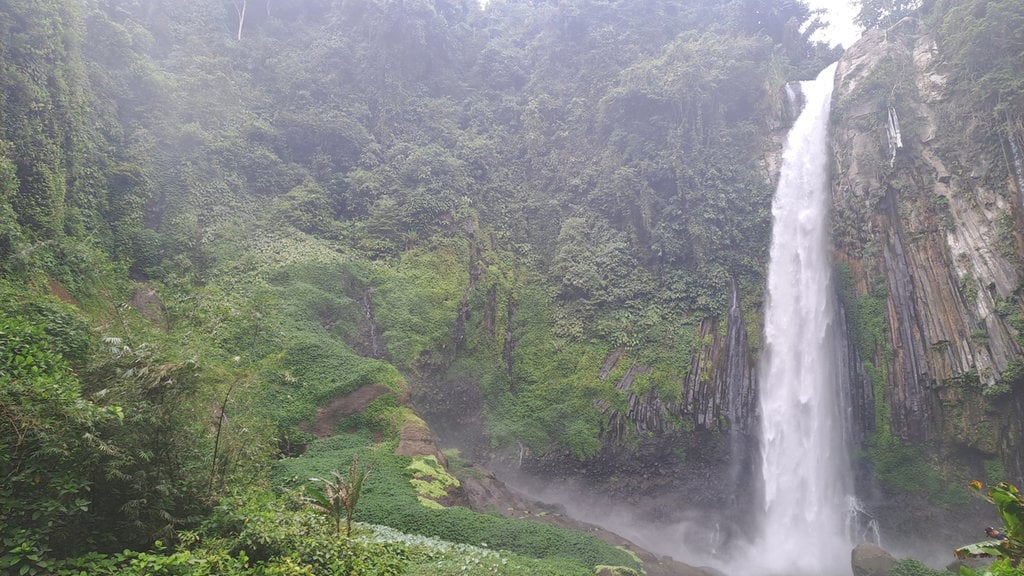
(330, 194)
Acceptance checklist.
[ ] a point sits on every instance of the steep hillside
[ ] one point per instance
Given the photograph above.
(255, 212)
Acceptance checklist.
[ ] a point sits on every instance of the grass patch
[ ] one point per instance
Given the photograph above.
(390, 499)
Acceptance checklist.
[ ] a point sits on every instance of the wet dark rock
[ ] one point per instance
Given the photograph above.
(793, 103)
(871, 560)
(926, 245)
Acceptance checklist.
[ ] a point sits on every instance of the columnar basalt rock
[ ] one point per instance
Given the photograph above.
(923, 233)
(718, 392)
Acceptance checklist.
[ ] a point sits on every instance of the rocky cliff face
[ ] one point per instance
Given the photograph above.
(927, 239)
(718, 393)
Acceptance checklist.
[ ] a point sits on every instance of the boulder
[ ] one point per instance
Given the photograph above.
(871, 560)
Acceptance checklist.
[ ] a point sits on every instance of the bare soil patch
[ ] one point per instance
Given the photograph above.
(57, 289)
(148, 303)
(342, 407)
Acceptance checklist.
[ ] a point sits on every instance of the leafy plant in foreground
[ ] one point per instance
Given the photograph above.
(49, 448)
(338, 500)
(1010, 505)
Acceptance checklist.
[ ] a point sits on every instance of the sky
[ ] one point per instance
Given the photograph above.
(840, 15)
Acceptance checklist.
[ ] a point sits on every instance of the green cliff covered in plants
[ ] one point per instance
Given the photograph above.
(236, 236)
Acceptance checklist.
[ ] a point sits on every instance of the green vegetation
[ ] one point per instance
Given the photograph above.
(995, 472)
(1010, 548)
(212, 230)
(430, 480)
(1010, 309)
(912, 567)
(984, 106)
(45, 425)
(339, 498)
(868, 325)
(274, 204)
(912, 469)
(278, 541)
(885, 13)
(392, 496)
(968, 31)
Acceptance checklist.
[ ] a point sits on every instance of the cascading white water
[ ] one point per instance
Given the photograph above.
(806, 465)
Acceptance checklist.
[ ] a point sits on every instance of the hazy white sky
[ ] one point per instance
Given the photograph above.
(840, 15)
(841, 29)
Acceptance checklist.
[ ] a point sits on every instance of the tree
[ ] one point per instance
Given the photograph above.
(885, 13)
(240, 8)
(10, 232)
(339, 498)
(305, 207)
(49, 448)
(773, 16)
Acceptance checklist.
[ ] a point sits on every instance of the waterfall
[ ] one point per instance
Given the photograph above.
(1017, 167)
(805, 462)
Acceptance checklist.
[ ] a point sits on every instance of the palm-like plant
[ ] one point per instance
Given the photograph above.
(339, 498)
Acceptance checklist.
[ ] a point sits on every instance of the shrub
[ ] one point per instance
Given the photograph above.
(911, 567)
(50, 448)
(339, 498)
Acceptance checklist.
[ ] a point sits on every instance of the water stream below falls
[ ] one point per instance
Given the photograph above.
(805, 461)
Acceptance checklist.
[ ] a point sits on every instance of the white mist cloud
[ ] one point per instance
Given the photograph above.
(840, 16)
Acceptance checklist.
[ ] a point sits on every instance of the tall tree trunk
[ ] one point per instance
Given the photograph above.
(221, 416)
